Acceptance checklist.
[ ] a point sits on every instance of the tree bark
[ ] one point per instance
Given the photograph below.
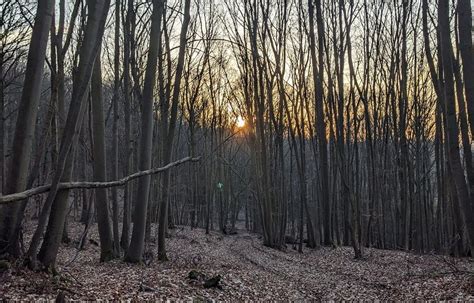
(115, 148)
(464, 14)
(72, 185)
(169, 136)
(135, 250)
(451, 123)
(317, 64)
(25, 127)
(93, 35)
(99, 165)
(125, 239)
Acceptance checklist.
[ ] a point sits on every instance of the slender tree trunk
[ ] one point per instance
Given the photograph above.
(115, 147)
(451, 122)
(2, 127)
(125, 240)
(168, 142)
(135, 250)
(99, 164)
(25, 127)
(57, 217)
(464, 13)
(403, 104)
(319, 107)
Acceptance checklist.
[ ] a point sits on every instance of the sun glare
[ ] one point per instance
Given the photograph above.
(240, 122)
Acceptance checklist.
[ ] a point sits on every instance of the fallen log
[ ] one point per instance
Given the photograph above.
(91, 185)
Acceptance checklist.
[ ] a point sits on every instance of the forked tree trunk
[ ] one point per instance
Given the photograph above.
(135, 250)
(57, 201)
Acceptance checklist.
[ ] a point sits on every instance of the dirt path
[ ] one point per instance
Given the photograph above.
(277, 266)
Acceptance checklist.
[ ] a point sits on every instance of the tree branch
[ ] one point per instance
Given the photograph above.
(70, 185)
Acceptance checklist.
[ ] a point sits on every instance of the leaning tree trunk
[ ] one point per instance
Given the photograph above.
(57, 217)
(93, 36)
(25, 127)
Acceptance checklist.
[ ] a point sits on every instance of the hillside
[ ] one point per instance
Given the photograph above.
(248, 270)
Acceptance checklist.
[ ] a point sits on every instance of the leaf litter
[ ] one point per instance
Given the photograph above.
(244, 270)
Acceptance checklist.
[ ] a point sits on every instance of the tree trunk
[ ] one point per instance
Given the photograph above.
(115, 147)
(317, 64)
(169, 136)
(100, 171)
(25, 127)
(125, 240)
(451, 122)
(88, 52)
(464, 13)
(135, 250)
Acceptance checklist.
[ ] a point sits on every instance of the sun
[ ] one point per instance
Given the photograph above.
(240, 122)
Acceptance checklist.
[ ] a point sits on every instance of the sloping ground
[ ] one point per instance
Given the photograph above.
(248, 271)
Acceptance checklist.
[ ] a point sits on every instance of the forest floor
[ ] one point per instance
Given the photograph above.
(248, 270)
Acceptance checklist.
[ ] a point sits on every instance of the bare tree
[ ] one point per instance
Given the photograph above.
(457, 170)
(169, 134)
(58, 201)
(100, 175)
(135, 250)
(25, 127)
